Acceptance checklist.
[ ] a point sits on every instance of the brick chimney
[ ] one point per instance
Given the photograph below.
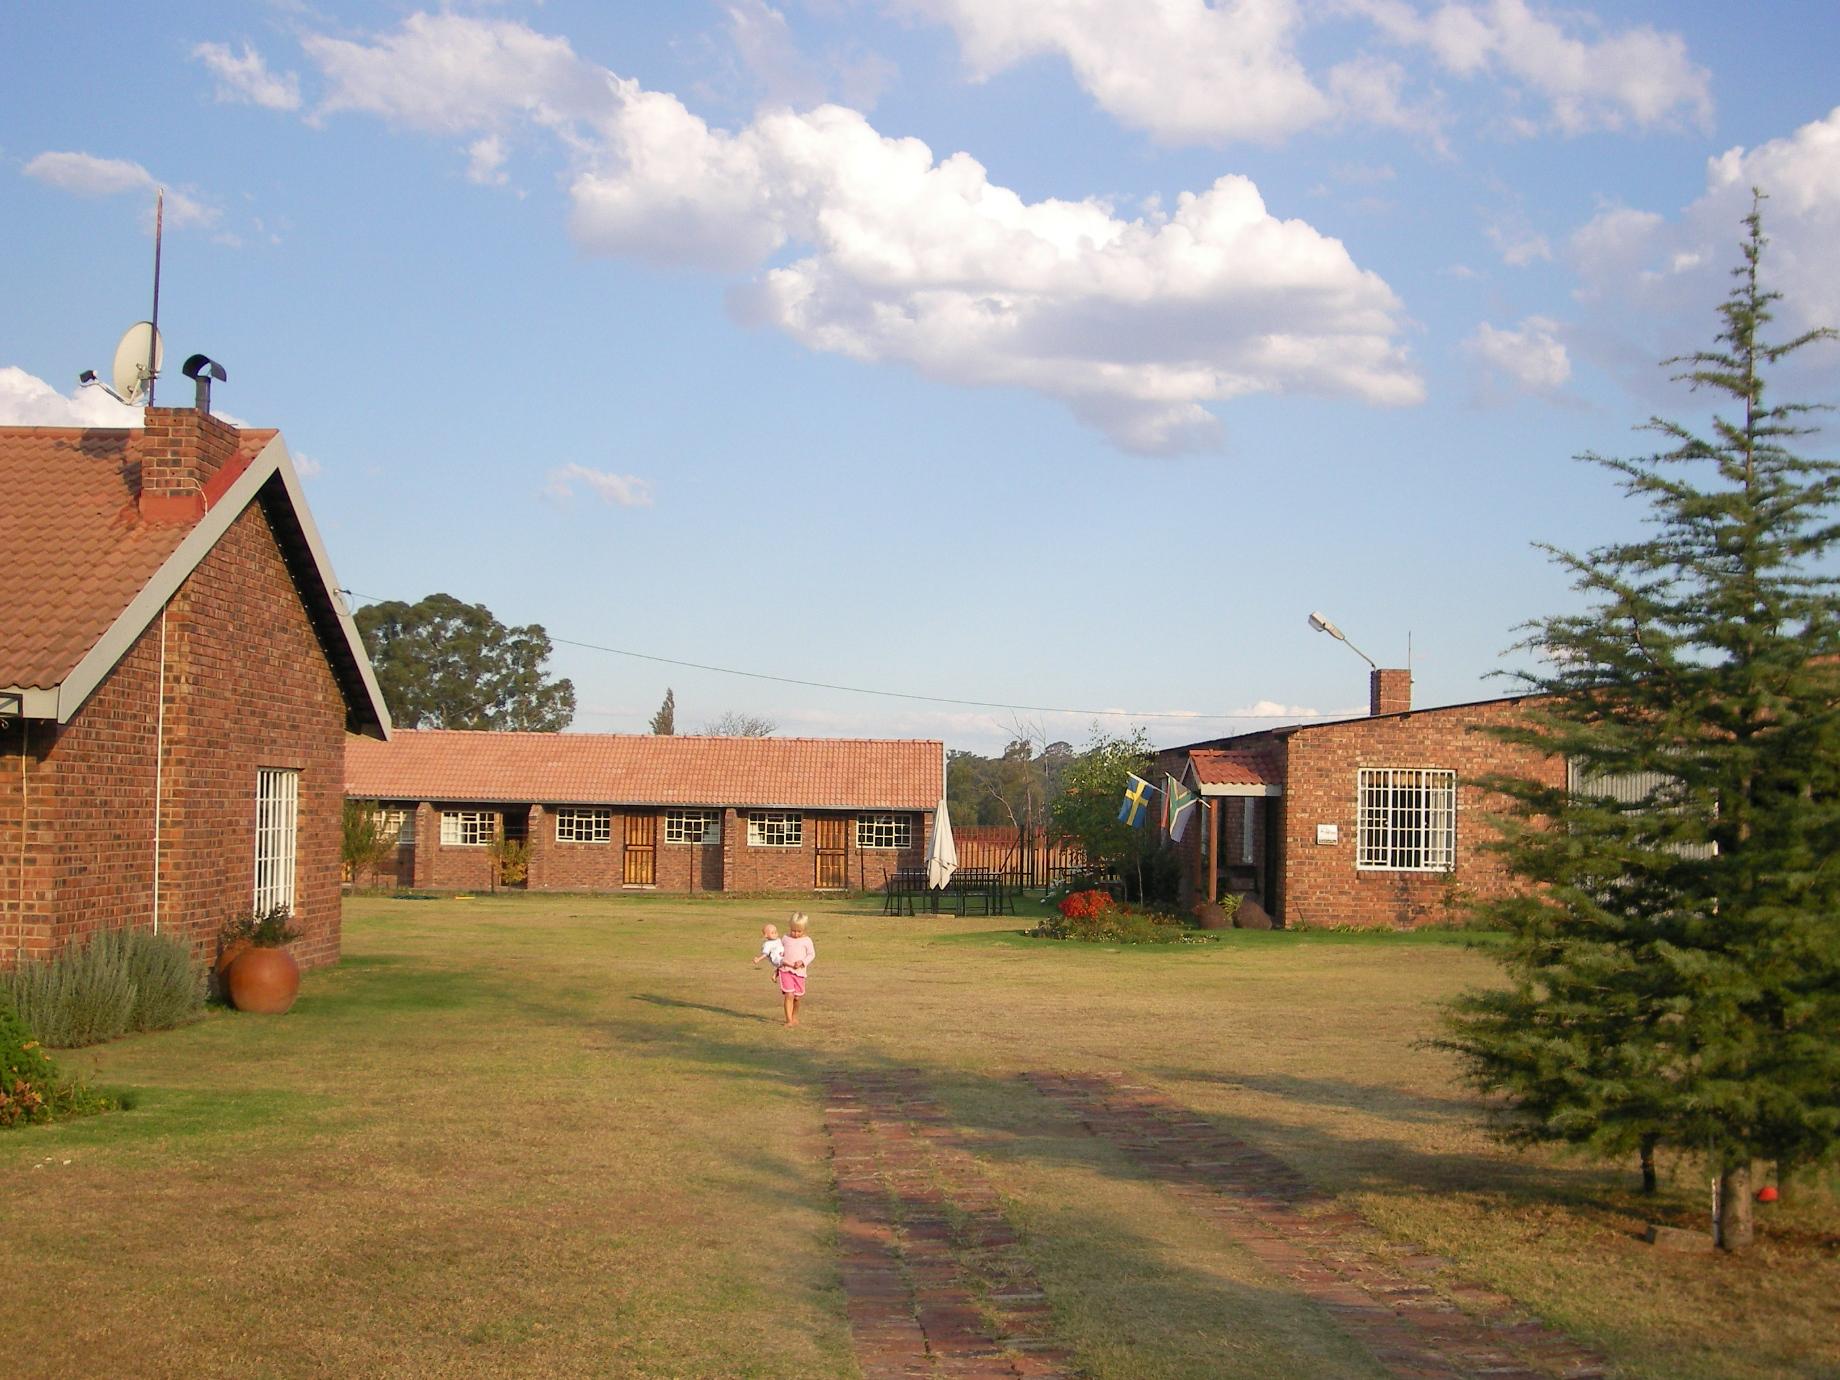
(1389, 692)
(180, 450)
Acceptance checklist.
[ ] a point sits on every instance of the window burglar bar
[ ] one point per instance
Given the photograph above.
(277, 808)
(1408, 820)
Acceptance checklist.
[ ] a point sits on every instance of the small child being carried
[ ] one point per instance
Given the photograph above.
(772, 948)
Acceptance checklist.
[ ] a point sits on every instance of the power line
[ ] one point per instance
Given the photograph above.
(883, 694)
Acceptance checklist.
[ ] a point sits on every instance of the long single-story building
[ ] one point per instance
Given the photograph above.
(177, 680)
(1376, 821)
(612, 811)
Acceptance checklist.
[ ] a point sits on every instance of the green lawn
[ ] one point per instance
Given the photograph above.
(567, 1135)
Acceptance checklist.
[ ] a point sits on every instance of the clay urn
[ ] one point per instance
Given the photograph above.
(265, 981)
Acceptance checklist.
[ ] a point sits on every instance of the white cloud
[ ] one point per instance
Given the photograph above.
(485, 161)
(1182, 70)
(26, 400)
(622, 490)
(1136, 323)
(764, 41)
(1518, 244)
(1194, 72)
(304, 465)
(84, 174)
(246, 78)
(1650, 282)
(1531, 356)
(1595, 79)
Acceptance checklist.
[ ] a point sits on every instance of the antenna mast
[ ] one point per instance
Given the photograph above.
(153, 340)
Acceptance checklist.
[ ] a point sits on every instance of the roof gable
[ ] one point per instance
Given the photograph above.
(457, 766)
(86, 574)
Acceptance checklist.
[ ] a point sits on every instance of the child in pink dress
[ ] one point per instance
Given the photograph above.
(794, 962)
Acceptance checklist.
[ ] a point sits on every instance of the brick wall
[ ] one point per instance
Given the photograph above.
(1320, 884)
(730, 864)
(245, 686)
(26, 838)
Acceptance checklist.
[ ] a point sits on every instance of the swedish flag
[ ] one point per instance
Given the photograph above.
(1137, 793)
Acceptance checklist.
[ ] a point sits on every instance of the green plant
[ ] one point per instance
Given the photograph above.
(1108, 923)
(31, 1089)
(511, 857)
(364, 844)
(262, 929)
(113, 982)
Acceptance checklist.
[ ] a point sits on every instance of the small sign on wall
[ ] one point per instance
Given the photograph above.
(1328, 833)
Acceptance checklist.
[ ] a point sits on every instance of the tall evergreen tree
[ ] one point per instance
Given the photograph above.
(664, 722)
(1674, 974)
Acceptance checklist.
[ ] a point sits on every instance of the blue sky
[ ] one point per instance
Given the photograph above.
(1062, 354)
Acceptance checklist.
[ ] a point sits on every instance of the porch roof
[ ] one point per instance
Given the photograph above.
(1238, 772)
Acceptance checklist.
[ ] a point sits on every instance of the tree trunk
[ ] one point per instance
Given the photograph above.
(1648, 1164)
(1737, 1226)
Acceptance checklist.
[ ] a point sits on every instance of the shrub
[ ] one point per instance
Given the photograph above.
(30, 1088)
(113, 982)
(1107, 922)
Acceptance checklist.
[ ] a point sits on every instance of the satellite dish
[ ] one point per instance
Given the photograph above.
(133, 381)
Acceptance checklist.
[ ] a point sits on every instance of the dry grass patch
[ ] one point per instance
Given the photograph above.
(566, 1135)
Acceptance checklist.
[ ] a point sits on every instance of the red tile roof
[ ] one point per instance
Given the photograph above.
(443, 765)
(1237, 768)
(76, 550)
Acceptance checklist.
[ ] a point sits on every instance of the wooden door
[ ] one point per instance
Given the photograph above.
(833, 865)
(641, 850)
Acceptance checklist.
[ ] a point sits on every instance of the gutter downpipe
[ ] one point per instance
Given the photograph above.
(159, 764)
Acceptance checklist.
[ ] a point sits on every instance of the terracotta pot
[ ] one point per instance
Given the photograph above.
(264, 981)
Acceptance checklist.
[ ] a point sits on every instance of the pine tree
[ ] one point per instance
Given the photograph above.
(1674, 968)
(665, 720)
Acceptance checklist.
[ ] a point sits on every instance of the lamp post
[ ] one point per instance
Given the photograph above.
(1323, 625)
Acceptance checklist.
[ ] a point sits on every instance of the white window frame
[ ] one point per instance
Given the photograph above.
(1248, 822)
(277, 836)
(397, 824)
(776, 829)
(1406, 819)
(584, 824)
(692, 827)
(884, 831)
(468, 828)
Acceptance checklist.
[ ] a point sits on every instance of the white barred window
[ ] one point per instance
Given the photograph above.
(467, 828)
(884, 831)
(1408, 820)
(584, 825)
(775, 829)
(277, 810)
(692, 826)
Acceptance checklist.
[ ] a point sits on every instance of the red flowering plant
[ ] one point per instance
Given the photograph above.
(1086, 905)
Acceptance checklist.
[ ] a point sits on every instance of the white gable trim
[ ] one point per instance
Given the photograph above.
(134, 620)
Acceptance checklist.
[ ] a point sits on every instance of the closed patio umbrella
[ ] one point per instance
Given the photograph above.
(941, 851)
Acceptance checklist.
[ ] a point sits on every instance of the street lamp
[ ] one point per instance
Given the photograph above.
(1323, 625)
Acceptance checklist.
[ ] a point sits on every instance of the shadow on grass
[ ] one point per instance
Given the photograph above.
(1395, 1104)
(677, 1003)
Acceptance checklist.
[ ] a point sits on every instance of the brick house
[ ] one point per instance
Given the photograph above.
(177, 678)
(611, 811)
(1375, 821)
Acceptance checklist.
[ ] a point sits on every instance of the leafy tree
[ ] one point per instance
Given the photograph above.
(735, 724)
(1093, 785)
(664, 722)
(1674, 976)
(445, 664)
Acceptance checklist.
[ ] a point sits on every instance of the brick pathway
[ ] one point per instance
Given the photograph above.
(935, 1281)
(1408, 1310)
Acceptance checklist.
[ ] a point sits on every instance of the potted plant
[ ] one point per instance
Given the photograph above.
(259, 973)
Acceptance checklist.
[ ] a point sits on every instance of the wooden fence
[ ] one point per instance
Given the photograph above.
(1038, 860)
